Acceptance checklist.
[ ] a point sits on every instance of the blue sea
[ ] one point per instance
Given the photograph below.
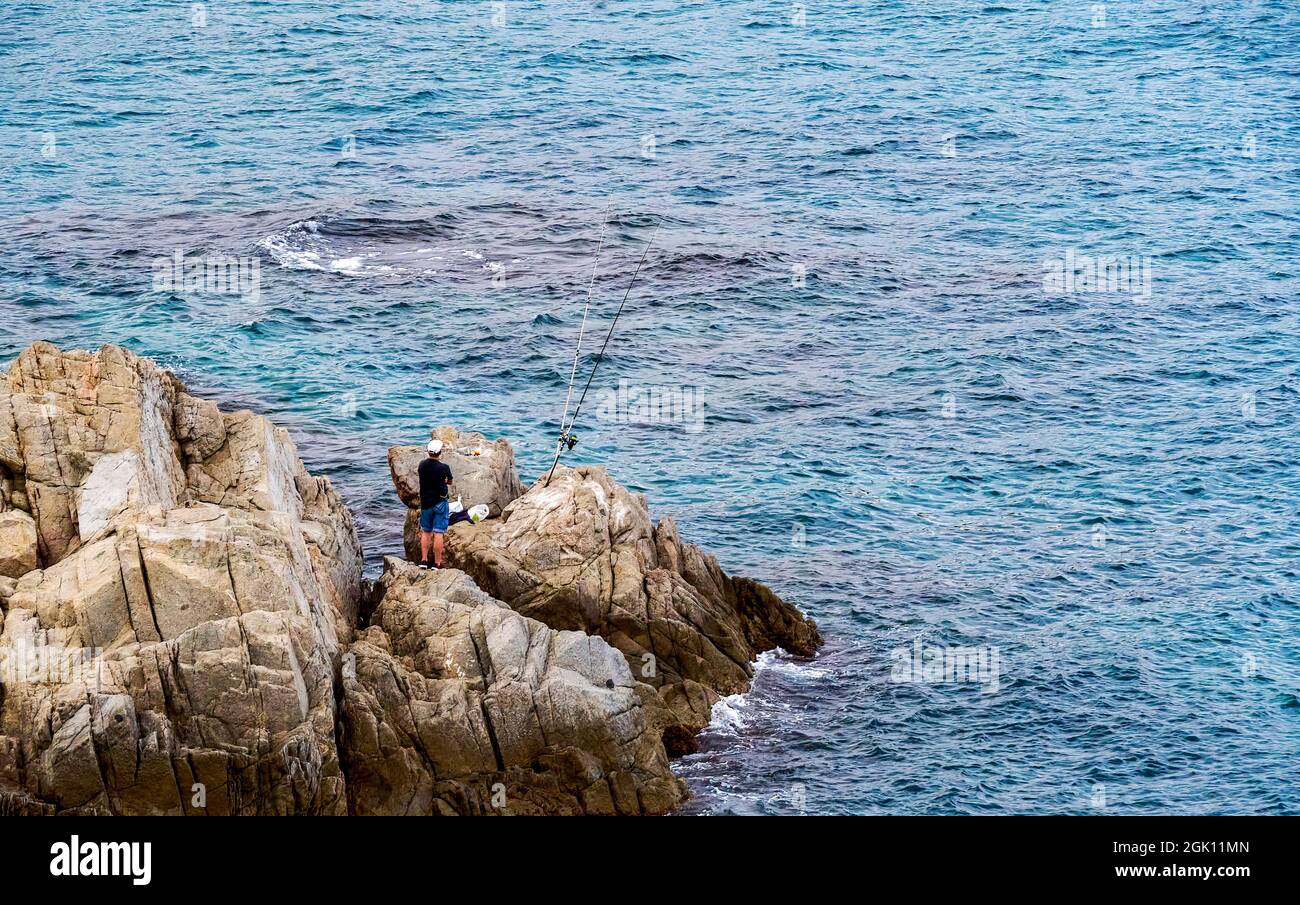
(880, 388)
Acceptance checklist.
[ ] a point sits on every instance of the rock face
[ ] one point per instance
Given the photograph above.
(172, 647)
(18, 543)
(182, 629)
(183, 647)
(455, 704)
(583, 555)
(85, 436)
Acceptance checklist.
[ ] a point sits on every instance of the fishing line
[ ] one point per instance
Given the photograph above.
(564, 419)
(566, 436)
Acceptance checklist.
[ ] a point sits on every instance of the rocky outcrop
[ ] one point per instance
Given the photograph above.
(173, 648)
(86, 436)
(182, 631)
(583, 555)
(455, 704)
(483, 470)
(180, 652)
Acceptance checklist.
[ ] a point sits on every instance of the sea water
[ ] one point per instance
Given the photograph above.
(970, 328)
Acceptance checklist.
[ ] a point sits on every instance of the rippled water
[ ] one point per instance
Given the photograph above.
(902, 432)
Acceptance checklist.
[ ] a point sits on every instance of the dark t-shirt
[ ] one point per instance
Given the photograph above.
(434, 476)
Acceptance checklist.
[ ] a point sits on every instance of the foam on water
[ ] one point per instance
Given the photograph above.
(303, 246)
(781, 662)
(728, 716)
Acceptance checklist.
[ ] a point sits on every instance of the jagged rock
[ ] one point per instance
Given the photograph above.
(583, 555)
(455, 704)
(191, 587)
(178, 647)
(17, 543)
(181, 601)
(88, 435)
(483, 470)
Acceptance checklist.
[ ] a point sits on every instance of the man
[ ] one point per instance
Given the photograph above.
(435, 485)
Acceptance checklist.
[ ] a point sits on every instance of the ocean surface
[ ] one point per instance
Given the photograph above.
(1088, 497)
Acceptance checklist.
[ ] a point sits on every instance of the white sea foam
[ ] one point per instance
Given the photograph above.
(779, 661)
(733, 714)
(728, 715)
(300, 246)
(287, 250)
(349, 266)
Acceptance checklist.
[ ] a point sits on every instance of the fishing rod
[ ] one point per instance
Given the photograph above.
(564, 419)
(567, 437)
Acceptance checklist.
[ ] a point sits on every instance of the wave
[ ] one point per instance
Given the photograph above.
(514, 245)
(367, 246)
(778, 661)
(729, 716)
(735, 714)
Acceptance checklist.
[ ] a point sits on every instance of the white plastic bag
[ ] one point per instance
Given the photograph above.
(454, 507)
(478, 513)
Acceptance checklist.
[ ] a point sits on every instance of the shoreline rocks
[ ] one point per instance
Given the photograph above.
(184, 627)
(173, 650)
(483, 472)
(455, 704)
(582, 554)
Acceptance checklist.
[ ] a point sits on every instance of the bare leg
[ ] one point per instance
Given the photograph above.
(437, 550)
(425, 538)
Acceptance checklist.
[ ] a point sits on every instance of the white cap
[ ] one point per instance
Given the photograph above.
(435, 446)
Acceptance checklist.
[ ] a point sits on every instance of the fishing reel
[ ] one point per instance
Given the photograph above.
(568, 440)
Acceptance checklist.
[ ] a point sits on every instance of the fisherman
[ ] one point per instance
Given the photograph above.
(435, 485)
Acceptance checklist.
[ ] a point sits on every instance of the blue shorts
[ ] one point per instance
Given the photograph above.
(435, 518)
